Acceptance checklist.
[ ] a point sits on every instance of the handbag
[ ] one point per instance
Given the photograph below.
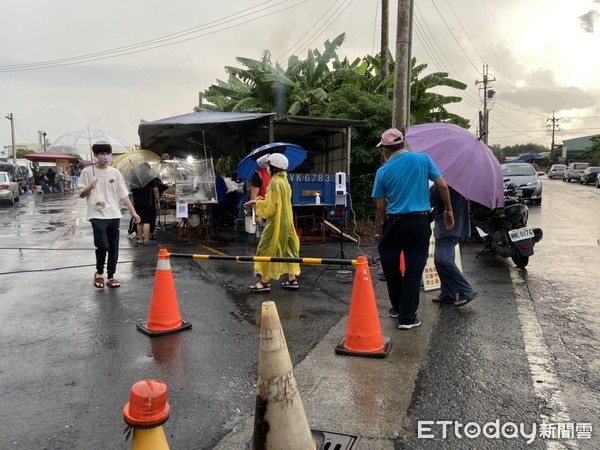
(249, 224)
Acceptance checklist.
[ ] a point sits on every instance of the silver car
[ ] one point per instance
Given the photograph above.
(529, 185)
(9, 188)
(556, 171)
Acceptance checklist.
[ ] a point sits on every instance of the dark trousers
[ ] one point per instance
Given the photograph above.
(408, 234)
(106, 240)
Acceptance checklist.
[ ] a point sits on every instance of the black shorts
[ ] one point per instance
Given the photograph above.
(148, 215)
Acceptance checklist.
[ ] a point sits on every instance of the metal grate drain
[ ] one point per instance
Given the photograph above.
(330, 440)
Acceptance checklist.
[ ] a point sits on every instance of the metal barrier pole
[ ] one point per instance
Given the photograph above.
(310, 261)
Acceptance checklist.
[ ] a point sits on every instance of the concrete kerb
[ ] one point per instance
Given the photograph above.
(362, 396)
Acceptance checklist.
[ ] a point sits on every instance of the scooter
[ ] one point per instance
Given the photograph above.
(504, 230)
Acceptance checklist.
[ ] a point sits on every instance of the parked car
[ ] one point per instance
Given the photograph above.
(9, 188)
(556, 171)
(524, 175)
(15, 172)
(574, 171)
(589, 175)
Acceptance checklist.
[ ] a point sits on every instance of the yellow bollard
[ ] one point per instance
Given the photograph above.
(149, 439)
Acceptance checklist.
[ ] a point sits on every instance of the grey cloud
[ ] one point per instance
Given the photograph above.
(587, 20)
(563, 97)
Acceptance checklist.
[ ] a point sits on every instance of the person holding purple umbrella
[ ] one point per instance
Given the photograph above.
(455, 288)
(401, 191)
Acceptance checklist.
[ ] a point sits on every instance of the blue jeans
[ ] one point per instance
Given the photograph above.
(454, 284)
(409, 234)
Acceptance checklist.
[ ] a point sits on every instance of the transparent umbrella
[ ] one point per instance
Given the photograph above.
(80, 142)
(138, 167)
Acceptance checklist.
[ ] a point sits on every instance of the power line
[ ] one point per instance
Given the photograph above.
(375, 26)
(465, 31)
(317, 33)
(474, 101)
(159, 42)
(529, 111)
(454, 37)
(325, 18)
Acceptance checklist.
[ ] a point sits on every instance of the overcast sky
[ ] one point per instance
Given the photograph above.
(116, 62)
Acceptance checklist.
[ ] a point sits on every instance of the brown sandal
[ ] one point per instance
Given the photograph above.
(98, 281)
(112, 283)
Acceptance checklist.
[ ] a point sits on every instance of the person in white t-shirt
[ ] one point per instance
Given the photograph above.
(104, 188)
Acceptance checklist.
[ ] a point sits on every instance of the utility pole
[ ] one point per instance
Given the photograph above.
(384, 42)
(42, 139)
(401, 110)
(552, 126)
(12, 135)
(484, 116)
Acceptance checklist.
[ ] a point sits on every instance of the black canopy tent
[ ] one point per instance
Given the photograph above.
(217, 134)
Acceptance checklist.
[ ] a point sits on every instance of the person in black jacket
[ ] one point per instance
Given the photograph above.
(51, 175)
(146, 201)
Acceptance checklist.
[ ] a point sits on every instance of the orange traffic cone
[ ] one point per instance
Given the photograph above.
(363, 335)
(279, 419)
(163, 317)
(145, 412)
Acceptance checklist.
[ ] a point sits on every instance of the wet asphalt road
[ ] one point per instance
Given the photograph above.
(527, 352)
(70, 353)
(527, 349)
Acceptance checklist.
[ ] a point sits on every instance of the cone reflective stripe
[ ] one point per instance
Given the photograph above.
(163, 317)
(279, 420)
(363, 334)
(145, 412)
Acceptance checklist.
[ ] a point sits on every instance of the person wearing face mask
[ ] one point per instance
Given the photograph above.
(279, 237)
(104, 188)
(401, 191)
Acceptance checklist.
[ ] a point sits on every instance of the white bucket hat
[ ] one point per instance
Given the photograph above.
(278, 160)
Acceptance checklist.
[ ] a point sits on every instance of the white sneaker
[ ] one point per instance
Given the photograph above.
(408, 326)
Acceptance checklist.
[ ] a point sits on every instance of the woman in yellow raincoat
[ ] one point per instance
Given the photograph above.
(279, 237)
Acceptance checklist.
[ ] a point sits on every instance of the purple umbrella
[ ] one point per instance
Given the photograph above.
(466, 163)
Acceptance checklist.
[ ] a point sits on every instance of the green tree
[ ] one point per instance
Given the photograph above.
(22, 152)
(428, 106)
(256, 87)
(593, 154)
(261, 86)
(350, 102)
(519, 149)
(322, 85)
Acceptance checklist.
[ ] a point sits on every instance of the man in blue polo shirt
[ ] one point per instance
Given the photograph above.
(401, 190)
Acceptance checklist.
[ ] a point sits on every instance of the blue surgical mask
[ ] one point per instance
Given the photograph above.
(105, 159)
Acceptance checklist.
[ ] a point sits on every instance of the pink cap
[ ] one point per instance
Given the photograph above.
(391, 137)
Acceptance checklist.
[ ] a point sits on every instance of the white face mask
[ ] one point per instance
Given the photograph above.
(105, 159)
